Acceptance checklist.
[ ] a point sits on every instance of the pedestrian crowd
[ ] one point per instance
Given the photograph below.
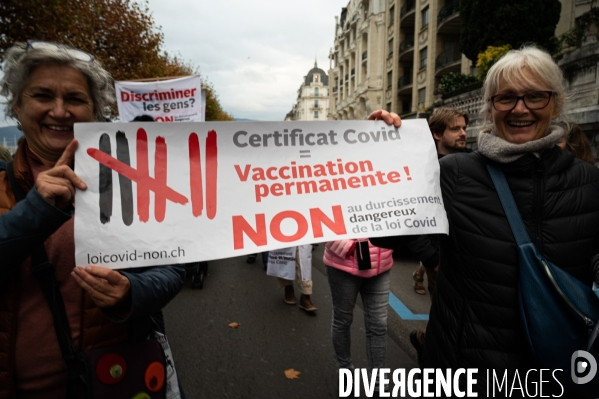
(58, 319)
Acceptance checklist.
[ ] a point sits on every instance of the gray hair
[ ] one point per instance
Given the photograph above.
(20, 62)
(509, 69)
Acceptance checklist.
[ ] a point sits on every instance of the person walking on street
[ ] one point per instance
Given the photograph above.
(358, 267)
(291, 265)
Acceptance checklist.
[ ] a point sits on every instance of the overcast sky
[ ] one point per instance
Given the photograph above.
(254, 52)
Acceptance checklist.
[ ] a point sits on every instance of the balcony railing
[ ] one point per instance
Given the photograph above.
(364, 55)
(406, 44)
(409, 6)
(404, 81)
(448, 56)
(448, 11)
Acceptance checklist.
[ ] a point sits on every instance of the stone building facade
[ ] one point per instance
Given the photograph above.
(357, 62)
(312, 102)
(391, 54)
(580, 65)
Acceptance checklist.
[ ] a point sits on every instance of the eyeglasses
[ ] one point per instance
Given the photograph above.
(73, 52)
(533, 100)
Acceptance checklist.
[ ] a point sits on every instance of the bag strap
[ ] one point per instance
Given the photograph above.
(515, 220)
(43, 271)
(509, 204)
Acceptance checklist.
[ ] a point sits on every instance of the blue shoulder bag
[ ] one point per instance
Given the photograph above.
(559, 314)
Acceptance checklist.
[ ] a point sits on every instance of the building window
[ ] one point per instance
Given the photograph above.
(421, 97)
(424, 18)
(388, 107)
(316, 78)
(315, 103)
(406, 106)
(390, 47)
(389, 79)
(316, 91)
(423, 59)
(315, 114)
(391, 15)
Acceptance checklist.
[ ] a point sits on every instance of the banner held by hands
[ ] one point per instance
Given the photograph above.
(201, 191)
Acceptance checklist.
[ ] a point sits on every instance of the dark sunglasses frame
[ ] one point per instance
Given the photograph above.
(518, 98)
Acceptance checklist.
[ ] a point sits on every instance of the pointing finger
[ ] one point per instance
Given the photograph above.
(68, 154)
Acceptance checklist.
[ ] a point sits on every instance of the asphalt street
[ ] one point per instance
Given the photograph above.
(215, 360)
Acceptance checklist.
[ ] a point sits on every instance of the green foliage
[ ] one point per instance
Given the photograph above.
(214, 111)
(495, 23)
(487, 58)
(452, 82)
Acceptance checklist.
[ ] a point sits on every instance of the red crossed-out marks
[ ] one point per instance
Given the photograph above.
(195, 174)
(158, 184)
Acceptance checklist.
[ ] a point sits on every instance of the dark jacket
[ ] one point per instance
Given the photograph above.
(426, 246)
(34, 221)
(474, 318)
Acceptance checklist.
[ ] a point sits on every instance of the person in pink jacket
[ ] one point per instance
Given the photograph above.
(357, 266)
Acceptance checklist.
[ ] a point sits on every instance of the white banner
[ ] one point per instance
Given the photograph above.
(178, 193)
(174, 100)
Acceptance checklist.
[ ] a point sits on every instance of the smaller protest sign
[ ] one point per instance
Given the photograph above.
(173, 100)
(281, 262)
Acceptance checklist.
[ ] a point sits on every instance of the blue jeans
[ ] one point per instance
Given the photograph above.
(375, 299)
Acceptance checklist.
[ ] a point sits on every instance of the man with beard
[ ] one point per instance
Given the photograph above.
(448, 126)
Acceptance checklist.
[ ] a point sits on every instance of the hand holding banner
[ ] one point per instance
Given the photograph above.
(202, 191)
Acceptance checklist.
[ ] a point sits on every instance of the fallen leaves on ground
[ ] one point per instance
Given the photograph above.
(292, 374)
(234, 324)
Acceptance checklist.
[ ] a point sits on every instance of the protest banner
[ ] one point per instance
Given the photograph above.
(178, 193)
(173, 100)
